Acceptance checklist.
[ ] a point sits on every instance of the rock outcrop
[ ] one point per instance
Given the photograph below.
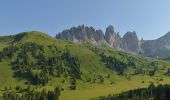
(113, 38)
(81, 34)
(159, 47)
(130, 42)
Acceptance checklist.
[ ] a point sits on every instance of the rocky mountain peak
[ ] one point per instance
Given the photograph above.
(81, 34)
(110, 29)
(166, 36)
(113, 38)
(131, 41)
(159, 47)
(129, 34)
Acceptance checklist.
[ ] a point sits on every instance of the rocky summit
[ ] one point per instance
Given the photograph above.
(159, 47)
(81, 34)
(129, 42)
(113, 38)
(84, 33)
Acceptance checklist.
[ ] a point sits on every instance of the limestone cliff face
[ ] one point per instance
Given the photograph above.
(81, 34)
(159, 47)
(130, 42)
(113, 38)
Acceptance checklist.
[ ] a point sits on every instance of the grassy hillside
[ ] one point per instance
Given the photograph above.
(84, 71)
(160, 92)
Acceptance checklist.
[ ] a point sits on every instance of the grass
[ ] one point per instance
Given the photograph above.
(90, 62)
(93, 91)
(2, 45)
(6, 73)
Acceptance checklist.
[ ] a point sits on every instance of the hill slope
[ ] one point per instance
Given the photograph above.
(36, 59)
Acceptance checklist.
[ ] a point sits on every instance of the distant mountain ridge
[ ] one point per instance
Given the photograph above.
(84, 33)
(159, 47)
(81, 34)
(129, 42)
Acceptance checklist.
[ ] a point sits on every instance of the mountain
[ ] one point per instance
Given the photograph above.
(159, 47)
(33, 61)
(37, 49)
(82, 34)
(129, 42)
(113, 38)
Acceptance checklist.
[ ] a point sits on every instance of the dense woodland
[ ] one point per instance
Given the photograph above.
(161, 92)
(18, 93)
(30, 62)
(114, 63)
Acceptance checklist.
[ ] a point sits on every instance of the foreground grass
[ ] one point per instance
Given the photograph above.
(92, 91)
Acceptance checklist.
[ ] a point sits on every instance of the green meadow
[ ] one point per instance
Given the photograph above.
(97, 78)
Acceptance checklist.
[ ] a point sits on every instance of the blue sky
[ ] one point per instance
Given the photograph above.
(149, 18)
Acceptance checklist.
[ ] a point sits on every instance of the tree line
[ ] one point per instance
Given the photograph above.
(119, 65)
(160, 92)
(20, 94)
